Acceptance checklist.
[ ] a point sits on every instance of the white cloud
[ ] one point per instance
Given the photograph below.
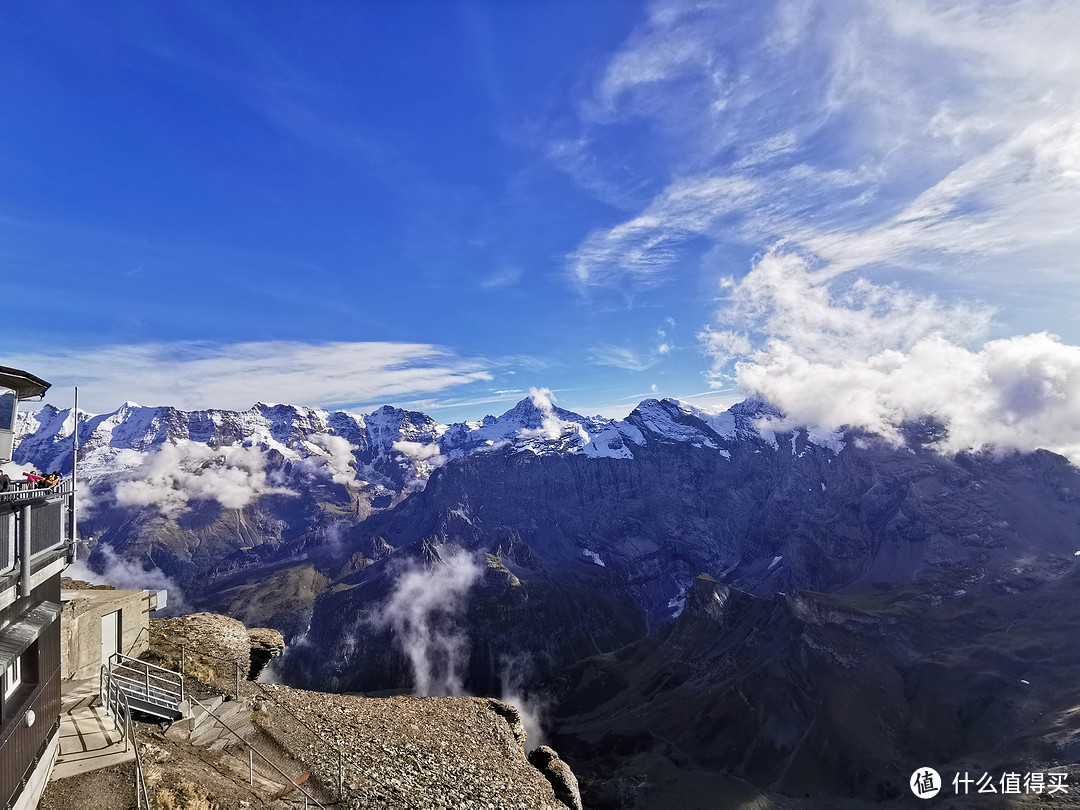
(501, 278)
(424, 458)
(197, 375)
(873, 357)
(417, 450)
(130, 575)
(630, 359)
(620, 357)
(551, 427)
(643, 249)
(178, 473)
(938, 136)
(422, 611)
(335, 453)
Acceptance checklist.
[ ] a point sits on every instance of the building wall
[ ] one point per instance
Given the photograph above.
(80, 646)
(21, 746)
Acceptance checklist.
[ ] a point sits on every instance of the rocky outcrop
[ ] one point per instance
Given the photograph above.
(214, 647)
(220, 642)
(562, 779)
(266, 644)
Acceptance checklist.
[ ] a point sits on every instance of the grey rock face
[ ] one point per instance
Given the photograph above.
(562, 779)
(266, 644)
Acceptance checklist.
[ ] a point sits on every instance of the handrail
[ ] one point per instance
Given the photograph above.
(140, 684)
(142, 663)
(342, 756)
(164, 701)
(129, 726)
(21, 492)
(155, 686)
(116, 702)
(257, 751)
(170, 687)
(176, 679)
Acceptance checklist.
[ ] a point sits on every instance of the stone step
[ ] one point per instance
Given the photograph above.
(200, 716)
(230, 715)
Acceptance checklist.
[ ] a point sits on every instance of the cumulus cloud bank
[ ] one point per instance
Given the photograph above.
(872, 357)
(178, 473)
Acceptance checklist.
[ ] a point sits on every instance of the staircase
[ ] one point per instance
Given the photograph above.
(148, 688)
(219, 725)
(233, 720)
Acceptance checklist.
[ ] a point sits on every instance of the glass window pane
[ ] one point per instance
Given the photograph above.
(7, 409)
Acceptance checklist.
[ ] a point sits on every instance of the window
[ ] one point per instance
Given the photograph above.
(7, 409)
(12, 677)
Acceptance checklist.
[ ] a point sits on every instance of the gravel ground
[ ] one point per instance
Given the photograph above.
(399, 752)
(107, 789)
(406, 752)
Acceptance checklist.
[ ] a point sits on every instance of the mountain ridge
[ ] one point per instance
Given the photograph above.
(560, 558)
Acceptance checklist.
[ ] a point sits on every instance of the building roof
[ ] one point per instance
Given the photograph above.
(17, 637)
(24, 383)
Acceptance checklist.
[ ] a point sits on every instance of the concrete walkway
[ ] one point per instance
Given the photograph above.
(88, 738)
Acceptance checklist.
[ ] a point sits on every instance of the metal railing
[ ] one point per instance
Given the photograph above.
(146, 682)
(20, 493)
(48, 512)
(253, 750)
(116, 704)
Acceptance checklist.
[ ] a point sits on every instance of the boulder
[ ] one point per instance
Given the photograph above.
(562, 779)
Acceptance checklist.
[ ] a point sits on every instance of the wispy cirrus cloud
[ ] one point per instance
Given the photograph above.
(500, 279)
(621, 357)
(865, 133)
(636, 359)
(200, 375)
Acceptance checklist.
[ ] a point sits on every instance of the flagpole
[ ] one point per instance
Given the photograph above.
(73, 555)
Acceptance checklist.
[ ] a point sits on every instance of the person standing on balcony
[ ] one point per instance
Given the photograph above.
(5, 481)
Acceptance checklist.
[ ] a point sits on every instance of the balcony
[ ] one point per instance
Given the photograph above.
(22, 494)
(43, 518)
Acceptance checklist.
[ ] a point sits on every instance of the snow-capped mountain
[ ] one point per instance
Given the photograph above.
(673, 562)
(386, 451)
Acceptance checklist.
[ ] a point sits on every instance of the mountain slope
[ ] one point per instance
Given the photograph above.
(555, 556)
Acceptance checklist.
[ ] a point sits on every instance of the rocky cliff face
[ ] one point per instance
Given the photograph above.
(819, 696)
(559, 556)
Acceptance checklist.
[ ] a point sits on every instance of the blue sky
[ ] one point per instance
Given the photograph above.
(441, 204)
